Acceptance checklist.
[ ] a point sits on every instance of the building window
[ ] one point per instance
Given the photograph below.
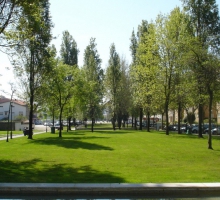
(1, 113)
(6, 113)
(20, 113)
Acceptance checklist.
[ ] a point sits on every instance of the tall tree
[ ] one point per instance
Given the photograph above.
(69, 52)
(94, 78)
(62, 81)
(146, 71)
(133, 48)
(178, 31)
(125, 92)
(34, 32)
(112, 83)
(169, 30)
(203, 45)
(135, 67)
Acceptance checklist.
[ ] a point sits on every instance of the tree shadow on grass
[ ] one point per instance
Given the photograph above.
(27, 172)
(71, 143)
(181, 135)
(112, 132)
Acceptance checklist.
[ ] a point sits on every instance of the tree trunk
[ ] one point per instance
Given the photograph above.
(141, 117)
(200, 120)
(179, 117)
(60, 120)
(69, 123)
(167, 119)
(119, 120)
(210, 119)
(132, 121)
(148, 121)
(92, 127)
(31, 85)
(113, 122)
(135, 123)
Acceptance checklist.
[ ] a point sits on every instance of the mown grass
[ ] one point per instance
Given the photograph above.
(107, 156)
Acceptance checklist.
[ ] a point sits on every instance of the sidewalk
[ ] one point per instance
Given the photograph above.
(195, 190)
(20, 135)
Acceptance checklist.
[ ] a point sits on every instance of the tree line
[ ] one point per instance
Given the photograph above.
(175, 65)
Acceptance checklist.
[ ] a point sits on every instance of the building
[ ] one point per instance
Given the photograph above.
(18, 108)
(215, 114)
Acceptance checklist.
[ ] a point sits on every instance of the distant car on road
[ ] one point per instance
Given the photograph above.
(48, 124)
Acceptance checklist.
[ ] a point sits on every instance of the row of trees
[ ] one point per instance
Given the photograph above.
(175, 65)
(176, 61)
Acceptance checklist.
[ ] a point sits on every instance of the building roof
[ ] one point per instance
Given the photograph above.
(19, 102)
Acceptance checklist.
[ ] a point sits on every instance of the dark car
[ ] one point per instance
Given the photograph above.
(172, 127)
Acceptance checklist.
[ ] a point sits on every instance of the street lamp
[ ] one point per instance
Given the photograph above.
(9, 110)
(8, 120)
(11, 118)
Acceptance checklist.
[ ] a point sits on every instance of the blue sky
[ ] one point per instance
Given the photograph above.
(109, 21)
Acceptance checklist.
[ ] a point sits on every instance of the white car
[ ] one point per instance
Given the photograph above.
(48, 124)
(215, 131)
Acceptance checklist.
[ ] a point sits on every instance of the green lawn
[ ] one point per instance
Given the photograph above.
(107, 156)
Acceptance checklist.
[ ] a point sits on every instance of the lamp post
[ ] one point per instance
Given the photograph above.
(8, 120)
(9, 113)
(11, 120)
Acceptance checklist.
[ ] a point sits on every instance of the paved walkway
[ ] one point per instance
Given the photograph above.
(19, 135)
(113, 189)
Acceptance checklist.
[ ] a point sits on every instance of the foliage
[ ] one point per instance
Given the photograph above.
(20, 118)
(191, 117)
(31, 57)
(113, 84)
(62, 87)
(69, 52)
(203, 49)
(94, 80)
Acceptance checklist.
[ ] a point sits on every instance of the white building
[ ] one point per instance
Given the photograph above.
(18, 108)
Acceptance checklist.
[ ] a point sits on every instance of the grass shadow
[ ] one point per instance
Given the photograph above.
(113, 132)
(71, 143)
(28, 172)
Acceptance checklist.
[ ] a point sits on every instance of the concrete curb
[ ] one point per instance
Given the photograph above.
(113, 189)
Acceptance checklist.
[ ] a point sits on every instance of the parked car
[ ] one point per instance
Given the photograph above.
(172, 127)
(206, 128)
(58, 126)
(184, 129)
(195, 129)
(215, 131)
